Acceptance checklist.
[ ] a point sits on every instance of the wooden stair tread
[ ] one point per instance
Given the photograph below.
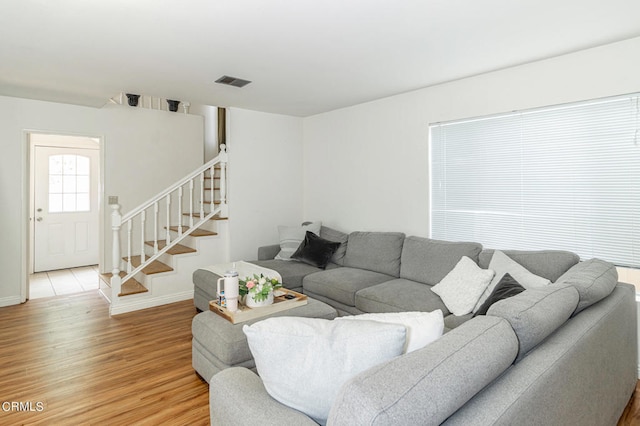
(214, 178)
(131, 286)
(177, 249)
(197, 215)
(199, 232)
(154, 267)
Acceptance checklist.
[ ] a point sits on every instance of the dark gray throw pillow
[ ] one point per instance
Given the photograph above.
(315, 251)
(507, 287)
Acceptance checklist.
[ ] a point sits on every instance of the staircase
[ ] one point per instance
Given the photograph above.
(158, 245)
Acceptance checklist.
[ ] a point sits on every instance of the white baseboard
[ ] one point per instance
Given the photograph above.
(9, 301)
(124, 306)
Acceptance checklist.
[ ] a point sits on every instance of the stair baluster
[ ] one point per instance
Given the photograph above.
(212, 172)
(223, 181)
(129, 234)
(202, 194)
(143, 222)
(156, 208)
(180, 212)
(191, 203)
(168, 233)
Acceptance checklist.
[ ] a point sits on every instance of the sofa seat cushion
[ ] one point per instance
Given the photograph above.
(429, 261)
(342, 284)
(399, 295)
(594, 279)
(292, 272)
(536, 313)
(550, 264)
(375, 251)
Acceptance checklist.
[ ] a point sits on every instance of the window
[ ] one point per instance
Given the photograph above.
(564, 177)
(69, 183)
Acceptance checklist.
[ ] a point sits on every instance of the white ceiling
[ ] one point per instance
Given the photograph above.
(303, 56)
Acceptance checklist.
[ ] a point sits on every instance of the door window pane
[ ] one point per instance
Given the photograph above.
(69, 183)
(55, 203)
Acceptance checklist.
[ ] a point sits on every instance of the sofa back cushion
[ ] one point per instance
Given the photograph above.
(428, 261)
(427, 386)
(375, 251)
(594, 279)
(550, 264)
(536, 313)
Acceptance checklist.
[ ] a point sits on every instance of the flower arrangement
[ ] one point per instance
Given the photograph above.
(258, 287)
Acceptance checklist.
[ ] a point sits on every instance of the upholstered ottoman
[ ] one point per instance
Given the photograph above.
(217, 344)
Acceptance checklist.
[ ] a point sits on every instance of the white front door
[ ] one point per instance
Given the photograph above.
(66, 207)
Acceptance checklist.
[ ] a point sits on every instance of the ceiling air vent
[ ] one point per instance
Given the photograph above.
(232, 81)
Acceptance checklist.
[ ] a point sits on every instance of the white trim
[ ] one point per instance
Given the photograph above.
(10, 301)
(134, 304)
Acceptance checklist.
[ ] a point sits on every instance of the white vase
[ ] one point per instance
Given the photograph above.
(249, 302)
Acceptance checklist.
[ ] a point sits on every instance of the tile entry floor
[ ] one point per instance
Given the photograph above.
(63, 281)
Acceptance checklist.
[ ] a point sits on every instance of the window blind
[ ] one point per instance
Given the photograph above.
(564, 177)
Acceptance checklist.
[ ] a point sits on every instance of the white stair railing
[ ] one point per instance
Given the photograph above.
(172, 196)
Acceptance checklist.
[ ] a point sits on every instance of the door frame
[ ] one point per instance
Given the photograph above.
(29, 205)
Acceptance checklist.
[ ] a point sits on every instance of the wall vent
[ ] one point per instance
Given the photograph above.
(232, 81)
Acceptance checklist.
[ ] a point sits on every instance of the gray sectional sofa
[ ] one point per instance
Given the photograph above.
(562, 354)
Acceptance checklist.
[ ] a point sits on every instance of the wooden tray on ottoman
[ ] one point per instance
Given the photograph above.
(245, 314)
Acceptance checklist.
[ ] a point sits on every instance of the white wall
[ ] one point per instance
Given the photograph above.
(265, 178)
(210, 120)
(366, 167)
(144, 151)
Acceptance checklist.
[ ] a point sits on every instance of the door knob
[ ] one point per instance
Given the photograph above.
(39, 219)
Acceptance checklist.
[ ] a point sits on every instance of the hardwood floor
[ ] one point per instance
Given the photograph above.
(70, 363)
(631, 414)
(76, 365)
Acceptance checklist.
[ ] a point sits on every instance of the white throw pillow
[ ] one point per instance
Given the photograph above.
(292, 236)
(461, 288)
(303, 362)
(422, 327)
(503, 264)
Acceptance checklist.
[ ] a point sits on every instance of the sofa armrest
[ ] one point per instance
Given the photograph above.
(268, 252)
(238, 397)
(426, 386)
